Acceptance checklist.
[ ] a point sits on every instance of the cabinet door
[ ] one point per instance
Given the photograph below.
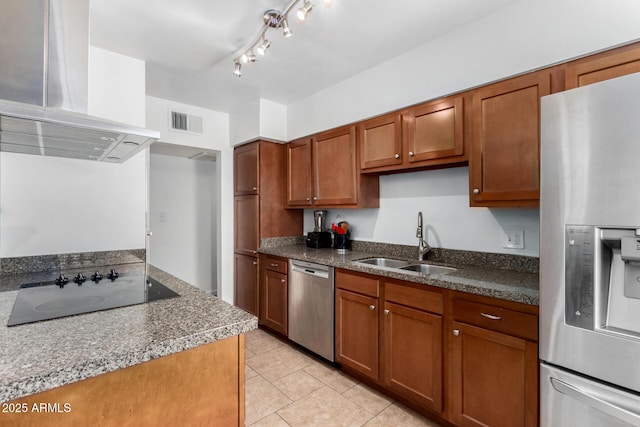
(603, 66)
(504, 168)
(245, 169)
(246, 283)
(247, 224)
(335, 168)
(494, 378)
(433, 131)
(299, 184)
(413, 354)
(357, 332)
(380, 142)
(273, 301)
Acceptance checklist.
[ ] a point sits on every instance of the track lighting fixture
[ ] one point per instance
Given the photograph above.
(262, 47)
(304, 11)
(273, 19)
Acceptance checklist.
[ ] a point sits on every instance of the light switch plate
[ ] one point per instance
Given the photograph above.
(513, 239)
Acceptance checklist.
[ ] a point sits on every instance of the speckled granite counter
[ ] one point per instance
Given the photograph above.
(493, 282)
(40, 356)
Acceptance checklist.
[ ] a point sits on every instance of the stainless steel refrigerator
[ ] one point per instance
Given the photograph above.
(590, 256)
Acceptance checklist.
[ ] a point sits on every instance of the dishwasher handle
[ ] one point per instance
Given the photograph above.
(308, 268)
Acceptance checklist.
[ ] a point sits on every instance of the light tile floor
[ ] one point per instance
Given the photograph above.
(287, 387)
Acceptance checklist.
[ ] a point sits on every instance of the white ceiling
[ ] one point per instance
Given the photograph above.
(189, 45)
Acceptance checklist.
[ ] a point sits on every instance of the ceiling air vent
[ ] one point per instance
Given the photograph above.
(185, 122)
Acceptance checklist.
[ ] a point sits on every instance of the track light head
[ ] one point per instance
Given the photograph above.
(247, 57)
(262, 46)
(286, 31)
(304, 11)
(236, 70)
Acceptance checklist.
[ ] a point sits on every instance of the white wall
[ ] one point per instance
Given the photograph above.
(182, 210)
(442, 196)
(259, 118)
(215, 137)
(53, 205)
(528, 35)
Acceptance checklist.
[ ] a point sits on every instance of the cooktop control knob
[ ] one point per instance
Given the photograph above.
(113, 274)
(96, 277)
(62, 280)
(80, 278)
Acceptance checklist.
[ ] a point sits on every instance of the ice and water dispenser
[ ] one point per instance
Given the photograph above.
(602, 279)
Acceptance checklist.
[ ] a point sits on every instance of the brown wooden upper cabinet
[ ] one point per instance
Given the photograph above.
(246, 163)
(322, 171)
(426, 135)
(603, 66)
(504, 167)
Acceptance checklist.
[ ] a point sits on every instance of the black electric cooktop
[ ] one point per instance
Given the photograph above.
(84, 294)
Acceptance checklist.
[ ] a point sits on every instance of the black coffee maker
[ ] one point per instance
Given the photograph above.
(319, 237)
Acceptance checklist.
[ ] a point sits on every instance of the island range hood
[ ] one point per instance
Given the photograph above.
(44, 49)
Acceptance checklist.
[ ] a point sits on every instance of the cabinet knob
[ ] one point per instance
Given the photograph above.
(255, 262)
(282, 280)
(372, 307)
(476, 191)
(456, 332)
(315, 198)
(386, 311)
(397, 156)
(411, 154)
(255, 188)
(308, 199)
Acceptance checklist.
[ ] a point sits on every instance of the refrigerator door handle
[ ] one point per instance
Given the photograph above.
(602, 405)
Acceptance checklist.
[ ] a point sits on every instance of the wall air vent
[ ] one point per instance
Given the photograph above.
(185, 122)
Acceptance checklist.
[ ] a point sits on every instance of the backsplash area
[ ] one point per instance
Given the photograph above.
(525, 264)
(60, 262)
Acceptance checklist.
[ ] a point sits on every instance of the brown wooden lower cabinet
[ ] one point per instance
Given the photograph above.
(246, 287)
(198, 387)
(494, 378)
(273, 301)
(412, 352)
(483, 372)
(357, 332)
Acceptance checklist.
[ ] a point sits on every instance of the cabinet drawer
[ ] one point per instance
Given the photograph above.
(421, 299)
(496, 318)
(276, 264)
(357, 283)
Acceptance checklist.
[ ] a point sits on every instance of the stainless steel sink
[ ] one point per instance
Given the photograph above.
(427, 269)
(383, 262)
(404, 266)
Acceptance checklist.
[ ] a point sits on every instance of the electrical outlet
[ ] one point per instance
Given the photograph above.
(513, 239)
(163, 216)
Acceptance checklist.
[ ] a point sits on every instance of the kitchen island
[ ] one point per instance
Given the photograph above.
(181, 350)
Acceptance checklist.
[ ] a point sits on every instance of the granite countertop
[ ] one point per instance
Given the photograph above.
(39, 356)
(493, 282)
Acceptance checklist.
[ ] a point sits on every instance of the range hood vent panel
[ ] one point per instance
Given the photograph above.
(35, 100)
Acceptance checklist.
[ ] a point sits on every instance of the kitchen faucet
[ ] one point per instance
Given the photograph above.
(423, 246)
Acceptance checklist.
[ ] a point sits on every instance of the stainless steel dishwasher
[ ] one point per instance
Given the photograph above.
(311, 307)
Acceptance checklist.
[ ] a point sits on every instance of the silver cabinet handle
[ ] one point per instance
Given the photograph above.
(411, 154)
(273, 264)
(397, 156)
(372, 307)
(609, 408)
(456, 332)
(386, 311)
(490, 316)
(476, 191)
